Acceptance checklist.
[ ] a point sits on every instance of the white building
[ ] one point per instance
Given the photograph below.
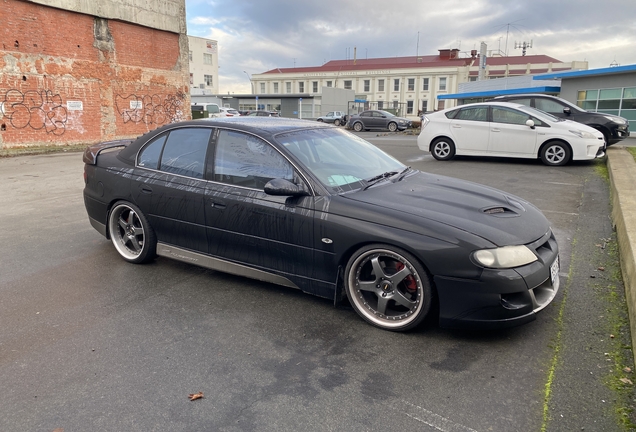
(406, 84)
(204, 66)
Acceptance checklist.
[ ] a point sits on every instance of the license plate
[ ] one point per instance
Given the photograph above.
(554, 271)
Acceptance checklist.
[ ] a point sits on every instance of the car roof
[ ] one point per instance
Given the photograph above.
(525, 95)
(266, 127)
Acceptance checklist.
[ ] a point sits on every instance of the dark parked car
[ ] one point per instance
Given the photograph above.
(262, 113)
(310, 206)
(377, 119)
(613, 128)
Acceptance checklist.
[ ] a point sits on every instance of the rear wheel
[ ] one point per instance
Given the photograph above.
(555, 153)
(131, 234)
(392, 126)
(357, 127)
(388, 287)
(443, 149)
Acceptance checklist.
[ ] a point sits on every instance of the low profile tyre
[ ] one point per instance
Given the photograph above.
(320, 120)
(555, 153)
(131, 234)
(357, 127)
(443, 149)
(388, 287)
(337, 122)
(392, 127)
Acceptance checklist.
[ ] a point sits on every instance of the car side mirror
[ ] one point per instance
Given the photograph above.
(530, 123)
(282, 187)
(567, 110)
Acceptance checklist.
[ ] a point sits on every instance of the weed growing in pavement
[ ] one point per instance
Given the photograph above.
(632, 150)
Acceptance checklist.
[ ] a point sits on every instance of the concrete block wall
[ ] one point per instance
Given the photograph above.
(73, 78)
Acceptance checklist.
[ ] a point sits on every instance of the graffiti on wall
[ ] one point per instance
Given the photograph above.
(150, 109)
(35, 109)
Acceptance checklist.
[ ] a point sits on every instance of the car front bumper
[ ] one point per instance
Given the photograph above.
(501, 298)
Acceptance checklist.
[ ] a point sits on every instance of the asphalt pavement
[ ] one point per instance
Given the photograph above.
(89, 342)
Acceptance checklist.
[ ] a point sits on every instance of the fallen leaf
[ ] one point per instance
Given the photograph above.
(626, 381)
(611, 336)
(601, 268)
(627, 369)
(195, 396)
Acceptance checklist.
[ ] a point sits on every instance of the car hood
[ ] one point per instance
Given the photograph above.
(501, 218)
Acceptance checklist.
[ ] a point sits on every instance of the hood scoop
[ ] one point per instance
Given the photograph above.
(500, 211)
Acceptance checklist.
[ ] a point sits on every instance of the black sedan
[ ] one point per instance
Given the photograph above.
(377, 119)
(310, 206)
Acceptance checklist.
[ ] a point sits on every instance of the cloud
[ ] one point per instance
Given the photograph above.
(257, 35)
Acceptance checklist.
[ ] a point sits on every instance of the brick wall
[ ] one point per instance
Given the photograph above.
(69, 78)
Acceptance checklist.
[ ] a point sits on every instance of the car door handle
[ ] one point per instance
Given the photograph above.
(217, 204)
(495, 130)
(457, 126)
(146, 190)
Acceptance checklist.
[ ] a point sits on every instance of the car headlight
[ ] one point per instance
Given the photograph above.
(583, 134)
(505, 257)
(616, 119)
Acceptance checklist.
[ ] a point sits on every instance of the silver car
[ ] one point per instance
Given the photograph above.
(377, 119)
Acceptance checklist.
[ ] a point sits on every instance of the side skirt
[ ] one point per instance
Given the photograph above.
(221, 265)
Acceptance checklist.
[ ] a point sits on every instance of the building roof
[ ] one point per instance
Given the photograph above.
(413, 62)
(502, 92)
(588, 73)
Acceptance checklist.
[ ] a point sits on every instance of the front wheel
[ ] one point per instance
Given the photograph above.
(131, 234)
(357, 127)
(443, 149)
(320, 120)
(388, 287)
(336, 122)
(392, 126)
(555, 154)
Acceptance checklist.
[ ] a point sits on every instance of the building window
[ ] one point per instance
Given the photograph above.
(411, 85)
(209, 80)
(367, 85)
(314, 86)
(380, 105)
(425, 84)
(190, 55)
(288, 87)
(262, 87)
(208, 59)
(191, 78)
(275, 87)
(301, 87)
(329, 84)
(396, 84)
(347, 84)
(424, 105)
(440, 104)
(381, 85)
(442, 84)
(409, 107)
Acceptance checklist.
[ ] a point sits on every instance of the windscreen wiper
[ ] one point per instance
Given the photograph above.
(373, 180)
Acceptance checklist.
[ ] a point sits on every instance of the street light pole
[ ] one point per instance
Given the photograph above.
(251, 83)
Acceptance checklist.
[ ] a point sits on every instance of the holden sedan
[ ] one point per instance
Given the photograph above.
(377, 119)
(309, 206)
(508, 130)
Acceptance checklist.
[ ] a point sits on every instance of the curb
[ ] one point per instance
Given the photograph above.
(622, 172)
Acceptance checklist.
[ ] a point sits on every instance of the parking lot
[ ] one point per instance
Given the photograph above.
(89, 342)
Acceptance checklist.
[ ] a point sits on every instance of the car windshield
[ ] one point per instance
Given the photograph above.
(340, 160)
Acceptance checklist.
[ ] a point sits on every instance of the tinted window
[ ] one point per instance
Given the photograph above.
(548, 105)
(366, 114)
(451, 114)
(473, 113)
(185, 150)
(510, 116)
(245, 160)
(149, 156)
(523, 101)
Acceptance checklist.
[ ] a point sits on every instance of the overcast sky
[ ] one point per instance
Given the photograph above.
(259, 35)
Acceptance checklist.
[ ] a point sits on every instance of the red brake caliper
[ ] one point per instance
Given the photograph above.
(409, 281)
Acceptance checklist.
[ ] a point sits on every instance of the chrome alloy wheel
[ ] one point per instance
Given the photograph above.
(387, 289)
(131, 234)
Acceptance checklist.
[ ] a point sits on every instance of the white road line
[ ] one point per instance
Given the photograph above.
(420, 158)
(565, 184)
(427, 417)
(559, 212)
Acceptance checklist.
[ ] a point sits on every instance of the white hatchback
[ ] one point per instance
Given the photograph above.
(507, 130)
